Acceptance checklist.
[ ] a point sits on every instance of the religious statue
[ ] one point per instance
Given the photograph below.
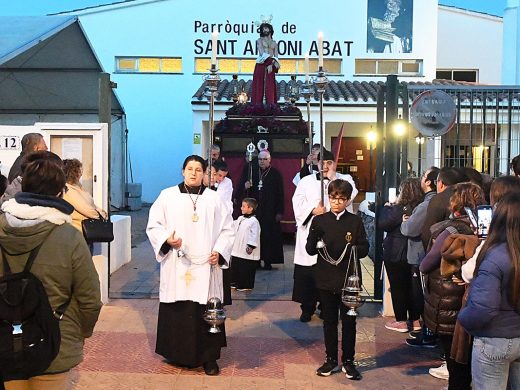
(267, 65)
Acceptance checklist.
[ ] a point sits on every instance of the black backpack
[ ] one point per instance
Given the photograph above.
(29, 328)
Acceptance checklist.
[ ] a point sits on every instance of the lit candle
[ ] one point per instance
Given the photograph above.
(320, 50)
(214, 43)
(306, 67)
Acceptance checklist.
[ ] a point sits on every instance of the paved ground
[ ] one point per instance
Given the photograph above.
(268, 348)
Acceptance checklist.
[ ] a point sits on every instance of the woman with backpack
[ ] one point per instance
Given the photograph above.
(36, 236)
(492, 314)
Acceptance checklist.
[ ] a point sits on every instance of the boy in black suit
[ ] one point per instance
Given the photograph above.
(339, 230)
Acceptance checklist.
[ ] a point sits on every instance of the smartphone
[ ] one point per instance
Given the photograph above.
(471, 217)
(484, 215)
(407, 210)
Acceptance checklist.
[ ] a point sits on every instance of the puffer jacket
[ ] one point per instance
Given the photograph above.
(443, 297)
(63, 265)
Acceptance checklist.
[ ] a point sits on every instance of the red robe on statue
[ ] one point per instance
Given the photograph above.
(264, 80)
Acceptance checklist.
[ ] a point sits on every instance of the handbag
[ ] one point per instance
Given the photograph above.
(97, 229)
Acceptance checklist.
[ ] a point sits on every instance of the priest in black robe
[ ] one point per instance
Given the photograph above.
(265, 184)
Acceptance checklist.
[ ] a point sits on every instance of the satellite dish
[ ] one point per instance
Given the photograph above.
(433, 113)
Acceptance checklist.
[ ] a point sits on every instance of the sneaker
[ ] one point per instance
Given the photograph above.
(415, 334)
(329, 367)
(351, 371)
(305, 317)
(421, 342)
(268, 267)
(416, 325)
(440, 372)
(398, 326)
(244, 289)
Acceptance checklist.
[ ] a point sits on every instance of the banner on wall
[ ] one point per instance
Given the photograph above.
(389, 26)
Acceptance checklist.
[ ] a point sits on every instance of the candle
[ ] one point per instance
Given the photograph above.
(214, 44)
(306, 67)
(320, 49)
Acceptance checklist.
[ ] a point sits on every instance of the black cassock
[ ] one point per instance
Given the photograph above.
(270, 202)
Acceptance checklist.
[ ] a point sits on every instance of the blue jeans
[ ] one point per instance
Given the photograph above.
(495, 363)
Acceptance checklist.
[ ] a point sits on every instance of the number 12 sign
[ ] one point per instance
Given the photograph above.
(9, 143)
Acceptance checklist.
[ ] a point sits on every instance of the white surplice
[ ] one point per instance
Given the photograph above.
(225, 191)
(247, 232)
(180, 278)
(306, 197)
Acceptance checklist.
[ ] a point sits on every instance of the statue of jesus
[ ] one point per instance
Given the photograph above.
(267, 65)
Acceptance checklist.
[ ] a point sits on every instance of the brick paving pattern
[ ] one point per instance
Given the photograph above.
(268, 347)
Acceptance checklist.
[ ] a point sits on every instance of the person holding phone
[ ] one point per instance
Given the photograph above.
(395, 256)
(492, 313)
(442, 295)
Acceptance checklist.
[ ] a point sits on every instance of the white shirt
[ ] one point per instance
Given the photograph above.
(180, 278)
(247, 232)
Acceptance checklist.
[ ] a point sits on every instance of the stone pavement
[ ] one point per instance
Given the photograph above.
(268, 347)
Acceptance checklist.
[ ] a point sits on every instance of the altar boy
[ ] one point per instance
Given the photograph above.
(246, 249)
(339, 230)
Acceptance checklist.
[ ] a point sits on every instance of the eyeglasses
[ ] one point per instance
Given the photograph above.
(337, 200)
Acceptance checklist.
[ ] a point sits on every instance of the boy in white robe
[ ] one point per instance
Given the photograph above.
(246, 249)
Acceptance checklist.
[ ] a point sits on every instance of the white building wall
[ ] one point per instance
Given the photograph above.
(161, 118)
(470, 40)
(511, 53)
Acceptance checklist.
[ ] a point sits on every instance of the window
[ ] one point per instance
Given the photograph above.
(148, 65)
(376, 67)
(468, 75)
(288, 66)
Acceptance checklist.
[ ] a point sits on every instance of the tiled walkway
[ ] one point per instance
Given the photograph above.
(268, 347)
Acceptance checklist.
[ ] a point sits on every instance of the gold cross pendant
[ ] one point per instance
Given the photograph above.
(188, 278)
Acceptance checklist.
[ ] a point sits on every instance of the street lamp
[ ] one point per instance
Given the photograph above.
(420, 142)
(371, 140)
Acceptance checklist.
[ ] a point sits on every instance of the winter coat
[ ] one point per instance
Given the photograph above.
(442, 297)
(63, 265)
(412, 227)
(395, 243)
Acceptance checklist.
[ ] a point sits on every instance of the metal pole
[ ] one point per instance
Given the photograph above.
(320, 83)
(381, 191)
(212, 81)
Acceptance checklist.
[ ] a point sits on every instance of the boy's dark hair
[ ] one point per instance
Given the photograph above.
(221, 165)
(251, 202)
(44, 177)
(432, 177)
(340, 187)
(450, 176)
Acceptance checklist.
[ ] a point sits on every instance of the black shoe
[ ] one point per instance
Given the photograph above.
(422, 342)
(351, 371)
(211, 368)
(305, 317)
(328, 368)
(415, 334)
(268, 267)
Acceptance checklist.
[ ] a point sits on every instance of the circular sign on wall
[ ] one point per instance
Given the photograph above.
(433, 113)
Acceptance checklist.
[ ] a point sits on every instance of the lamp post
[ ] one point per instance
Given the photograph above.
(371, 139)
(320, 82)
(420, 142)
